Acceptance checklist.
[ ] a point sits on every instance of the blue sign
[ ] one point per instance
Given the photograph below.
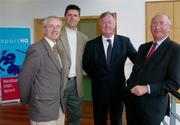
(13, 46)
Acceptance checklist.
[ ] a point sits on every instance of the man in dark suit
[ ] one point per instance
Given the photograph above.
(103, 61)
(154, 74)
(40, 79)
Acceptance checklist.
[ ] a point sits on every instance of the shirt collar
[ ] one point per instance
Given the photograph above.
(70, 30)
(160, 41)
(105, 39)
(51, 43)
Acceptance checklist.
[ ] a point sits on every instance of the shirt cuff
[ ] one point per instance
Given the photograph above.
(149, 90)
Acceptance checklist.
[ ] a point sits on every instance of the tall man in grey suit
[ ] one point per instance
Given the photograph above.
(40, 79)
(153, 76)
(72, 42)
(107, 70)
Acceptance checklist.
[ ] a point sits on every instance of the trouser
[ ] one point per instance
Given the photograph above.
(59, 121)
(73, 103)
(101, 110)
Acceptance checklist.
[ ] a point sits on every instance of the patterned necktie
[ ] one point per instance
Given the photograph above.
(109, 51)
(56, 54)
(151, 51)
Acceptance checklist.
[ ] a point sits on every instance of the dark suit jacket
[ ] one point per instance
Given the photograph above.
(161, 72)
(107, 82)
(40, 82)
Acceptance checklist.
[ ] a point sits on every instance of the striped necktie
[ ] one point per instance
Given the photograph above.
(153, 49)
(56, 54)
(109, 51)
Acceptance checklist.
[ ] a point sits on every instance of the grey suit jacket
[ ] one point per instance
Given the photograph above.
(40, 82)
(64, 46)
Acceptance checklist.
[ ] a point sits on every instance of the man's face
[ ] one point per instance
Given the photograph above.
(72, 18)
(107, 25)
(160, 27)
(53, 29)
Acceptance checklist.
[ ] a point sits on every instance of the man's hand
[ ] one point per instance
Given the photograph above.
(139, 90)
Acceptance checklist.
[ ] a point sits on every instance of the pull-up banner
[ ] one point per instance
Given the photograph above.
(13, 46)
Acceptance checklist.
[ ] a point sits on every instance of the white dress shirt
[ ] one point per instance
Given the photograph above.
(72, 40)
(106, 43)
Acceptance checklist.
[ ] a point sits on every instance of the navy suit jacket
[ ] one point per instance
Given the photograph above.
(107, 82)
(161, 72)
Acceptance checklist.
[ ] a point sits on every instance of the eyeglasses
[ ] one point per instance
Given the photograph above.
(51, 27)
(160, 23)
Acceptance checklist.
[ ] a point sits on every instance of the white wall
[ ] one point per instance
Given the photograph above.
(130, 13)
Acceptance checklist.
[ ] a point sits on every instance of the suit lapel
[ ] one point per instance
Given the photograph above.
(145, 51)
(51, 54)
(161, 49)
(65, 43)
(79, 50)
(140, 64)
(117, 46)
(62, 56)
(101, 52)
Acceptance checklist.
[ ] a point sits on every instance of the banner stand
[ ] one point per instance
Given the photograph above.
(14, 43)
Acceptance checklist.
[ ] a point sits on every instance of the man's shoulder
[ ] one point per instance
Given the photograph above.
(95, 40)
(174, 44)
(121, 36)
(82, 35)
(38, 43)
(79, 34)
(38, 46)
(149, 43)
(174, 47)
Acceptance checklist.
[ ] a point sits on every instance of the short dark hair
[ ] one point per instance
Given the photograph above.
(72, 7)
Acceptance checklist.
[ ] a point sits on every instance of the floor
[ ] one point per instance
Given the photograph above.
(16, 114)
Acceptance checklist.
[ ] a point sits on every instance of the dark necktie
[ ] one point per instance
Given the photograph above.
(151, 51)
(109, 51)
